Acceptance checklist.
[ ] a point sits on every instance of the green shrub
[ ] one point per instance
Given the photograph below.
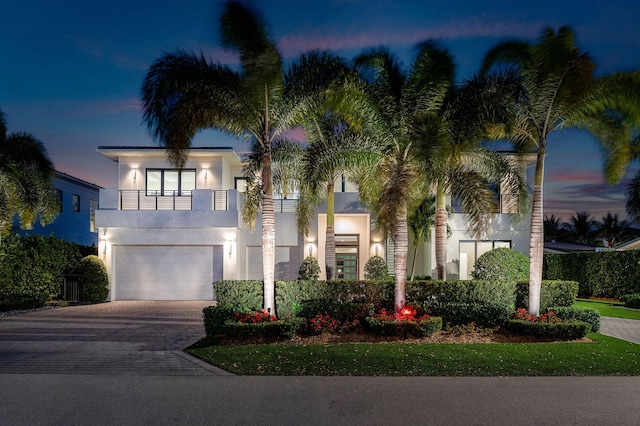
(93, 281)
(602, 274)
(420, 278)
(552, 293)
(569, 313)
(462, 291)
(309, 269)
(342, 311)
(631, 300)
(375, 269)
(22, 299)
(284, 329)
(502, 264)
(390, 327)
(483, 314)
(244, 294)
(215, 318)
(36, 263)
(549, 330)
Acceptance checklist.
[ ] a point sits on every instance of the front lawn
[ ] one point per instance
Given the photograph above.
(605, 356)
(608, 309)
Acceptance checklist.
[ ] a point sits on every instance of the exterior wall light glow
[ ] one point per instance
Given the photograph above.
(135, 174)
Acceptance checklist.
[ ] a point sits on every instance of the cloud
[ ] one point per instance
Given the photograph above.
(292, 45)
(574, 175)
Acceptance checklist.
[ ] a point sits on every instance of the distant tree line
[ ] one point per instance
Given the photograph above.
(582, 227)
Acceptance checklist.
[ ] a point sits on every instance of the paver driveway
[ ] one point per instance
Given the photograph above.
(131, 338)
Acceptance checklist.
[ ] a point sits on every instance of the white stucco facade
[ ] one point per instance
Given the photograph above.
(167, 234)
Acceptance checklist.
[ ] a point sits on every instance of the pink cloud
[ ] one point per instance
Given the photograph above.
(571, 175)
(292, 45)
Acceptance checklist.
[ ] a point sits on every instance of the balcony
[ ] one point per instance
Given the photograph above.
(169, 200)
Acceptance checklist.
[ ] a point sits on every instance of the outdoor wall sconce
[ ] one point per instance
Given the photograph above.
(135, 174)
(206, 174)
(230, 242)
(376, 248)
(310, 248)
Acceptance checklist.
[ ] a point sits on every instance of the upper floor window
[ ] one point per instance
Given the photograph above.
(75, 202)
(169, 182)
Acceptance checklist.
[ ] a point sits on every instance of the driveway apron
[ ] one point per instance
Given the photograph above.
(114, 338)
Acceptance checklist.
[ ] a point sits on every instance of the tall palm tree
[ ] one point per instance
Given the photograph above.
(448, 136)
(394, 185)
(334, 149)
(184, 93)
(553, 88)
(25, 181)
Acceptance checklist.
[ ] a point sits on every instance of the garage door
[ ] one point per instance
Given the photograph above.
(166, 272)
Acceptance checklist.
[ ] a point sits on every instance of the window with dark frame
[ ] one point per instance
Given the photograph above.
(170, 182)
(75, 202)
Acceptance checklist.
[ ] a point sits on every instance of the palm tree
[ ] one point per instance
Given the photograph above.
(25, 181)
(553, 88)
(612, 230)
(184, 93)
(334, 149)
(582, 227)
(448, 135)
(554, 229)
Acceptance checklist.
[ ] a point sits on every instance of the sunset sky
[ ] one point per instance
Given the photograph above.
(71, 70)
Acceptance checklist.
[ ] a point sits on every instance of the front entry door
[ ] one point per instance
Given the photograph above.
(346, 263)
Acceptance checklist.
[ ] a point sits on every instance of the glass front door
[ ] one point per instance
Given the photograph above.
(347, 263)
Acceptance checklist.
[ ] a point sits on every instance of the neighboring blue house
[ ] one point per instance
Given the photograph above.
(76, 221)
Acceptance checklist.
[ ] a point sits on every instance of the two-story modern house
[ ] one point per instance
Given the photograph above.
(78, 204)
(167, 233)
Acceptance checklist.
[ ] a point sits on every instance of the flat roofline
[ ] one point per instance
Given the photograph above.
(113, 152)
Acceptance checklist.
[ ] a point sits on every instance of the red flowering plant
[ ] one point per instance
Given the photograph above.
(327, 324)
(252, 317)
(403, 323)
(524, 315)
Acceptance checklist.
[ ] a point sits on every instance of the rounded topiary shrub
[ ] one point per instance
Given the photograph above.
(93, 281)
(502, 264)
(309, 269)
(375, 269)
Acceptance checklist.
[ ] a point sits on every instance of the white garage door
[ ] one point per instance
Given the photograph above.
(166, 272)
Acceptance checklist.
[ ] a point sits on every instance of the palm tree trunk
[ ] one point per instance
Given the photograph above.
(268, 218)
(413, 263)
(441, 234)
(330, 245)
(268, 234)
(400, 254)
(536, 239)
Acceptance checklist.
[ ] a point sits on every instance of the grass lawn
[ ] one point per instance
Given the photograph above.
(608, 309)
(605, 356)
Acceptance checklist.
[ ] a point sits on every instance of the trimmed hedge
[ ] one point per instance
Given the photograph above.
(215, 317)
(602, 274)
(420, 328)
(483, 314)
(559, 331)
(552, 293)
(631, 300)
(290, 294)
(22, 299)
(427, 292)
(341, 311)
(569, 313)
(284, 329)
